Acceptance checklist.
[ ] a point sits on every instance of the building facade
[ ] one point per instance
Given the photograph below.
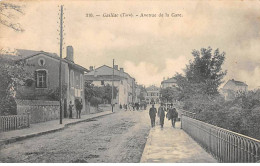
(124, 83)
(171, 82)
(152, 95)
(44, 67)
(233, 88)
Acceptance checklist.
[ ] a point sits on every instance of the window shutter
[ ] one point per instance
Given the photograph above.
(35, 76)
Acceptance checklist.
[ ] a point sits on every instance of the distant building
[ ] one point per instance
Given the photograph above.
(233, 88)
(152, 95)
(44, 67)
(171, 82)
(140, 94)
(123, 81)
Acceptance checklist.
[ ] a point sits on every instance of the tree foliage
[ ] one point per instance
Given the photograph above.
(97, 95)
(169, 94)
(205, 71)
(198, 87)
(12, 74)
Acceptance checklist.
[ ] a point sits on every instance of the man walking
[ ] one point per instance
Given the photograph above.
(172, 115)
(79, 106)
(70, 110)
(161, 114)
(152, 113)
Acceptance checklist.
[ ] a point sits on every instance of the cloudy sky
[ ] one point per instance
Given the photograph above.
(147, 48)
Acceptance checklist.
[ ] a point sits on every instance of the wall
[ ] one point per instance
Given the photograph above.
(40, 110)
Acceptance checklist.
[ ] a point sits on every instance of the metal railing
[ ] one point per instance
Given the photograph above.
(225, 145)
(13, 122)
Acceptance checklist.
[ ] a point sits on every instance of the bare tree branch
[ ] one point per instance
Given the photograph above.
(6, 16)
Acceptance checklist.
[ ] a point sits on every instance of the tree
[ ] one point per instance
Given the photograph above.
(95, 94)
(89, 90)
(12, 74)
(9, 12)
(198, 88)
(169, 94)
(141, 96)
(107, 96)
(206, 70)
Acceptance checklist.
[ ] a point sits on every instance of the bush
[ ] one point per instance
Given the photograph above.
(95, 101)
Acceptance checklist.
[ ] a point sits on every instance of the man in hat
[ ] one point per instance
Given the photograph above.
(161, 114)
(152, 113)
(172, 115)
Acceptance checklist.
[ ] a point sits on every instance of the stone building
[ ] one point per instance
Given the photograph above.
(124, 83)
(44, 67)
(152, 95)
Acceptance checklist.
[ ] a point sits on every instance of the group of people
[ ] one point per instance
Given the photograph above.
(78, 105)
(133, 106)
(170, 113)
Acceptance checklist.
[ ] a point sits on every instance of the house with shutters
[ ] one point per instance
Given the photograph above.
(45, 83)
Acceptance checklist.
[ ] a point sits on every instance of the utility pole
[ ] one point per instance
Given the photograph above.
(61, 42)
(112, 101)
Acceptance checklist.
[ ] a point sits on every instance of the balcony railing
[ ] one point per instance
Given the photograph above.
(13, 122)
(225, 145)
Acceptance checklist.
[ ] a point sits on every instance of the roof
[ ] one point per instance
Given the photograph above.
(170, 80)
(238, 83)
(25, 54)
(105, 70)
(153, 87)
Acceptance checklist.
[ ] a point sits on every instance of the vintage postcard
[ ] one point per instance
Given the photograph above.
(129, 81)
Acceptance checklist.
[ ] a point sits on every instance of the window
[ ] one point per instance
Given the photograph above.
(81, 81)
(41, 62)
(77, 84)
(41, 79)
(102, 82)
(72, 78)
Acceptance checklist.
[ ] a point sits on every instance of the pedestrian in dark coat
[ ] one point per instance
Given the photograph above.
(172, 115)
(70, 110)
(161, 114)
(152, 113)
(79, 107)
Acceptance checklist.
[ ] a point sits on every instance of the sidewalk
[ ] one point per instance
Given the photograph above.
(173, 145)
(44, 128)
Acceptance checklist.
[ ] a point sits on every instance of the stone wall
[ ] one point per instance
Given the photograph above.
(40, 110)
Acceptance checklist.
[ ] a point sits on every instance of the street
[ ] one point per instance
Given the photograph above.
(119, 137)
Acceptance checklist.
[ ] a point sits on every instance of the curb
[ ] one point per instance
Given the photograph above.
(20, 138)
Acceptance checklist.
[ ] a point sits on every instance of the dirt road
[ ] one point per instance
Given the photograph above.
(119, 137)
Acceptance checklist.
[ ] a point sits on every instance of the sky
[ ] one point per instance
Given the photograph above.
(149, 49)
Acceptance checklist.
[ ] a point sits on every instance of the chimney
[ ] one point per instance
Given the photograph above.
(70, 56)
(121, 69)
(91, 68)
(116, 67)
